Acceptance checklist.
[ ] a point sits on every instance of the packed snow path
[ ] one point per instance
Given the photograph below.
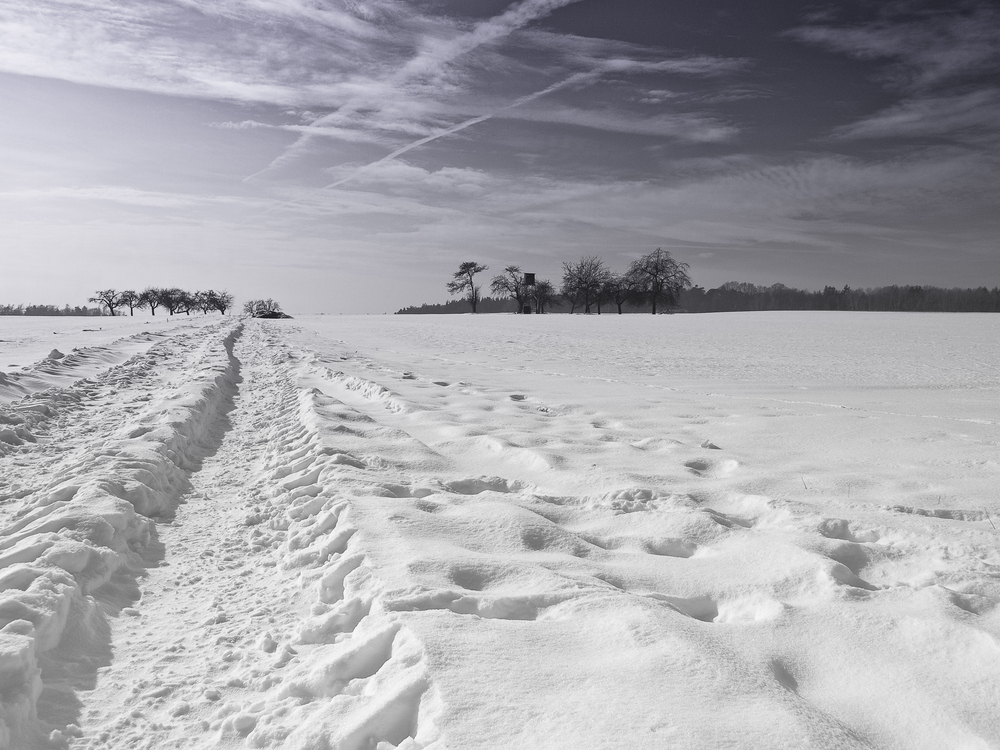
(271, 534)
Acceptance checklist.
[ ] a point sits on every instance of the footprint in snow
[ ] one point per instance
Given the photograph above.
(709, 468)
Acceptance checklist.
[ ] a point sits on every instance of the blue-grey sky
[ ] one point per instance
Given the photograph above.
(346, 155)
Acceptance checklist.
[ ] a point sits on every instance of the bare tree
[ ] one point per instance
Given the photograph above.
(108, 298)
(582, 281)
(620, 288)
(545, 294)
(464, 282)
(202, 301)
(185, 301)
(660, 277)
(510, 285)
(602, 297)
(259, 307)
(129, 299)
(172, 299)
(220, 301)
(150, 297)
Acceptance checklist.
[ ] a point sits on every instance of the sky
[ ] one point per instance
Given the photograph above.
(346, 155)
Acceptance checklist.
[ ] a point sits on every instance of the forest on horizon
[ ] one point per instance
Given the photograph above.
(737, 296)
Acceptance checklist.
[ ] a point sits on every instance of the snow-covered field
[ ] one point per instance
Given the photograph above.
(761, 530)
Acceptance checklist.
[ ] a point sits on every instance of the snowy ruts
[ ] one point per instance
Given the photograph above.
(82, 524)
(348, 533)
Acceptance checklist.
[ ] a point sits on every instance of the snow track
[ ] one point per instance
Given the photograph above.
(74, 543)
(248, 536)
(152, 583)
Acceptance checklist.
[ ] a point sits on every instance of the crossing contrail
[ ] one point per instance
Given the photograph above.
(433, 58)
(575, 78)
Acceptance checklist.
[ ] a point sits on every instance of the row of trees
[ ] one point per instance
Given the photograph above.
(655, 279)
(172, 299)
(736, 296)
(49, 310)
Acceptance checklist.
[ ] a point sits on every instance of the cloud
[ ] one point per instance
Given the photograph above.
(351, 135)
(807, 205)
(243, 125)
(929, 49)
(436, 53)
(386, 73)
(694, 128)
(399, 178)
(125, 196)
(705, 130)
(276, 52)
(418, 89)
(968, 117)
(944, 64)
(430, 65)
(657, 96)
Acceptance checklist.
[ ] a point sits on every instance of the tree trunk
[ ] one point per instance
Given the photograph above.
(619, 308)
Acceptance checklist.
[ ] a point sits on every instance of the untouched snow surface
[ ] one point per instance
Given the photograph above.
(766, 530)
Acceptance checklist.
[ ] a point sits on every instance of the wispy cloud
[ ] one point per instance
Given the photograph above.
(126, 196)
(970, 117)
(694, 128)
(943, 66)
(929, 48)
(350, 135)
(577, 78)
(427, 70)
(691, 127)
(388, 73)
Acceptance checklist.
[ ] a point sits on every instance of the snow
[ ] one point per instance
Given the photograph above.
(84, 346)
(424, 532)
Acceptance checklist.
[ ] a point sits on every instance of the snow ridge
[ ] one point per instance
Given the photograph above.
(351, 676)
(90, 522)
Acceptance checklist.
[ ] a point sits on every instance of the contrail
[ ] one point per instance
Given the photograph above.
(429, 60)
(460, 126)
(576, 77)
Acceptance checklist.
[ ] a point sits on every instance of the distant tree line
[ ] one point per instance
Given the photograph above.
(49, 310)
(172, 300)
(485, 305)
(652, 281)
(656, 283)
(736, 296)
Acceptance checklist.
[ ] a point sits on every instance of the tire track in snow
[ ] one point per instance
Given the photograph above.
(255, 628)
(73, 546)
